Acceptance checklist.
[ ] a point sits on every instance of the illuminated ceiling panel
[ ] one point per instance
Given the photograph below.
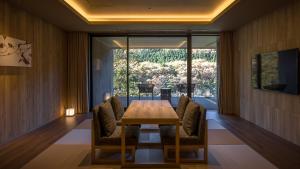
(107, 11)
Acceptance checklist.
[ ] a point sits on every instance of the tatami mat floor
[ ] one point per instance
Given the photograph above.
(225, 152)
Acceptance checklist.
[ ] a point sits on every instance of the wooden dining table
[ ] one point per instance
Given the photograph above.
(150, 112)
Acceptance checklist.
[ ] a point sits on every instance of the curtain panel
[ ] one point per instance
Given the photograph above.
(228, 84)
(78, 71)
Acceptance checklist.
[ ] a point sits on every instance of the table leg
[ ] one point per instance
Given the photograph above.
(123, 146)
(177, 149)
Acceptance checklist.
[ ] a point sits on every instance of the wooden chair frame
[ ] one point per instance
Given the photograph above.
(108, 148)
(189, 148)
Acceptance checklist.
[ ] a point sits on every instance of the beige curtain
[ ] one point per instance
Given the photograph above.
(78, 71)
(228, 101)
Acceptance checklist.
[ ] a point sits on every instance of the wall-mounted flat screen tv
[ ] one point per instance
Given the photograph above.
(278, 71)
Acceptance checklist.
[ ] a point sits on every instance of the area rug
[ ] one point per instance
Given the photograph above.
(226, 151)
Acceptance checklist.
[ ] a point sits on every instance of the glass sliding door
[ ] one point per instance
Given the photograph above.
(157, 68)
(109, 68)
(204, 70)
(154, 68)
(120, 70)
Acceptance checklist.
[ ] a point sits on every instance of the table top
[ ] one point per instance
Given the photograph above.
(150, 112)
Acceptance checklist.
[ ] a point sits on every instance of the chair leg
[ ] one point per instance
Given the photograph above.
(133, 153)
(166, 153)
(196, 153)
(93, 155)
(130, 149)
(205, 144)
(187, 160)
(205, 154)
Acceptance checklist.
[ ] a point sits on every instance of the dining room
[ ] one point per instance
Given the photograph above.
(114, 84)
(146, 81)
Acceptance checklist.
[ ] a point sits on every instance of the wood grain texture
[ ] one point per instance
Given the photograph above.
(150, 112)
(32, 144)
(32, 97)
(275, 112)
(280, 152)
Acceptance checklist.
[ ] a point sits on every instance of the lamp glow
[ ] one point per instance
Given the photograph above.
(207, 93)
(107, 96)
(70, 112)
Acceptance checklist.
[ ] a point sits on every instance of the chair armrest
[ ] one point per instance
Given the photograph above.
(180, 122)
(119, 123)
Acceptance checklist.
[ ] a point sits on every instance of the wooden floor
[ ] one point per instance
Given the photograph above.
(18, 152)
(281, 153)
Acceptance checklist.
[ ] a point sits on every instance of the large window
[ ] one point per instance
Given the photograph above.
(120, 69)
(204, 70)
(109, 68)
(158, 62)
(154, 68)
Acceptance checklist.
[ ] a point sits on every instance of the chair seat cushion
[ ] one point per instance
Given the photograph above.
(168, 133)
(132, 136)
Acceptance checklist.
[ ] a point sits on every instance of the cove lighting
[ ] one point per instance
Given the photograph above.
(107, 18)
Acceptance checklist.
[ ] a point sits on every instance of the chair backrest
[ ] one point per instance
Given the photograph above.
(181, 106)
(117, 107)
(96, 125)
(183, 87)
(201, 124)
(145, 88)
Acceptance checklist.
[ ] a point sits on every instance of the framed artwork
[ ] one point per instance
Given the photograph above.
(15, 52)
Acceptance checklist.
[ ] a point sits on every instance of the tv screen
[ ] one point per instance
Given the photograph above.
(279, 71)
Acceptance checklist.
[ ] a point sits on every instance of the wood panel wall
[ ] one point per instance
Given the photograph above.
(276, 112)
(32, 97)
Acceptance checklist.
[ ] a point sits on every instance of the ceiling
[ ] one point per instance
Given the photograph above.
(104, 11)
(198, 42)
(57, 13)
